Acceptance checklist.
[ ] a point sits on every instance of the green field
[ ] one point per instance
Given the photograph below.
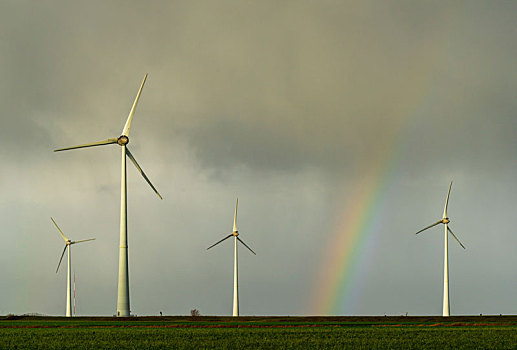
(467, 332)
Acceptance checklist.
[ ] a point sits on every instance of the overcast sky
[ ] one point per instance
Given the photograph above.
(288, 105)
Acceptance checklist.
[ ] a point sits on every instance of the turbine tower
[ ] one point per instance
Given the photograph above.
(123, 272)
(68, 244)
(445, 220)
(235, 234)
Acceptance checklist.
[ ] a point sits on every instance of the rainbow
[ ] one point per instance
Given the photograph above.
(351, 235)
(338, 285)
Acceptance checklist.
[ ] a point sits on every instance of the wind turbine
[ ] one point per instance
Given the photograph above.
(235, 234)
(68, 244)
(122, 140)
(445, 220)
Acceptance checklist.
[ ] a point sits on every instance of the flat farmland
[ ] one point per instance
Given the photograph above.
(459, 332)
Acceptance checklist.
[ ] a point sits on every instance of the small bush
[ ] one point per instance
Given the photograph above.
(195, 313)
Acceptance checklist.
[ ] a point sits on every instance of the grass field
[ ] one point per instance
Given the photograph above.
(466, 332)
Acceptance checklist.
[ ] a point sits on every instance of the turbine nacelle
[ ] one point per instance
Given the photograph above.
(235, 232)
(123, 140)
(68, 242)
(444, 220)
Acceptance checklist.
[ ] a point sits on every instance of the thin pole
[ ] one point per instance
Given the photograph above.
(123, 271)
(74, 294)
(235, 282)
(446, 276)
(69, 284)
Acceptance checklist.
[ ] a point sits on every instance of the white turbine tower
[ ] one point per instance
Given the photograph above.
(68, 244)
(123, 272)
(445, 220)
(235, 234)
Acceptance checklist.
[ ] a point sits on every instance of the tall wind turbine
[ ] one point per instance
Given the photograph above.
(68, 244)
(123, 272)
(445, 220)
(235, 234)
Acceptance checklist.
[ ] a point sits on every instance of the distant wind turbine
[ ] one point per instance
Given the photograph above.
(68, 244)
(445, 220)
(235, 234)
(123, 272)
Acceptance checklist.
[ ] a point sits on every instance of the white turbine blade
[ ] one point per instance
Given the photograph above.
(125, 132)
(456, 238)
(141, 171)
(64, 250)
(235, 216)
(93, 144)
(83, 240)
(447, 202)
(62, 234)
(436, 223)
(225, 238)
(240, 240)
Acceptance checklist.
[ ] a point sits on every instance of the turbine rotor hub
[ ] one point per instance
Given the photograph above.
(123, 140)
(235, 233)
(445, 220)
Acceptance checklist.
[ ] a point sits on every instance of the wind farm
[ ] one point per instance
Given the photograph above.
(338, 125)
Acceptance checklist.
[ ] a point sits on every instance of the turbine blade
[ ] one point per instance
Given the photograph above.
(235, 216)
(83, 240)
(141, 171)
(240, 240)
(64, 250)
(225, 238)
(93, 144)
(456, 238)
(436, 223)
(125, 132)
(62, 234)
(447, 202)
